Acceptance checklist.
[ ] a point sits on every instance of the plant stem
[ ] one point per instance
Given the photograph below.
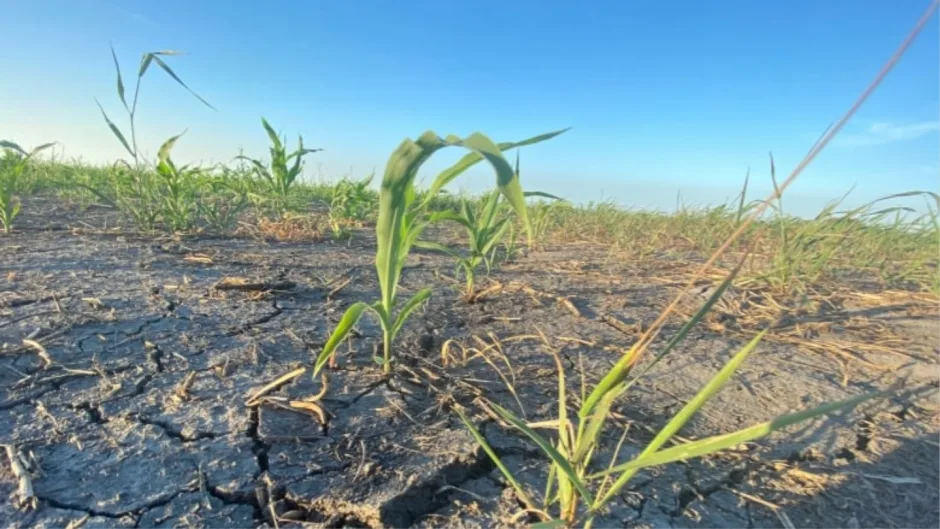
(387, 350)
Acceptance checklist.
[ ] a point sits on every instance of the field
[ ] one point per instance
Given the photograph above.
(131, 357)
(234, 346)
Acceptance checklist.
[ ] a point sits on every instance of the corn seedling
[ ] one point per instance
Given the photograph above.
(283, 169)
(350, 201)
(485, 228)
(178, 190)
(227, 198)
(402, 219)
(12, 167)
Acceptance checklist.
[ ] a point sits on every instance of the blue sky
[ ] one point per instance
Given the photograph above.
(661, 96)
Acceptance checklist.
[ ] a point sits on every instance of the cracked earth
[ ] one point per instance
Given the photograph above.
(128, 396)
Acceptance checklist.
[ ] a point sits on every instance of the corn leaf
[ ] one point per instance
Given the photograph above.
(408, 308)
(438, 247)
(452, 216)
(397, 193)
(272, 135)
(468, 161)
(164, 153)
(348, 321)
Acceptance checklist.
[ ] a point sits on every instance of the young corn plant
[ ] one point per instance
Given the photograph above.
(15, 162)
(402, 218)
(350, 201)
(485, 229)
(228, 197)
(178, 190)
(281, 173)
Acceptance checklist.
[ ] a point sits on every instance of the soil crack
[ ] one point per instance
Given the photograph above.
(175, 433)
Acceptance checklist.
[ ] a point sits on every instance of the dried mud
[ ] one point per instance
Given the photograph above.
(133, 411)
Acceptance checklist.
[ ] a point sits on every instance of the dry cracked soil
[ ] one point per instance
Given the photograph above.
(127, 403)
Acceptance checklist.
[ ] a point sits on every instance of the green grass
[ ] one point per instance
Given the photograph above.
(884, 242)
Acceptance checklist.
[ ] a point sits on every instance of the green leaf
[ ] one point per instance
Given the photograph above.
(163, 155)
(120, 81)
(472, 159)
(6, 144)
(617, 374)
(717, 443)
(495, 458)
(346, 323)
(144, 64)
(452, 216)
(408, 308)
(542, 194)
(549, 450)
(40, 148)
(176, 78)
(438, 247)
(116, 131)
(596, 421)
(688, 411)
(497, 235)
(272, 134)
(697, 317)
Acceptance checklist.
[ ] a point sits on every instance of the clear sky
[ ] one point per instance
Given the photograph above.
(661, 96)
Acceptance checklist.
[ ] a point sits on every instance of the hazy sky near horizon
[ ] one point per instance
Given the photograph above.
(661, 96)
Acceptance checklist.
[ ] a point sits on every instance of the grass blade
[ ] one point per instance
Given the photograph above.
(542, 194)
(120, 81)
(697, 317)
(116, 130)
(495, 458)
(7, 144)
(717, 443)
(687, 412)
(176, 78)
(549, 450)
